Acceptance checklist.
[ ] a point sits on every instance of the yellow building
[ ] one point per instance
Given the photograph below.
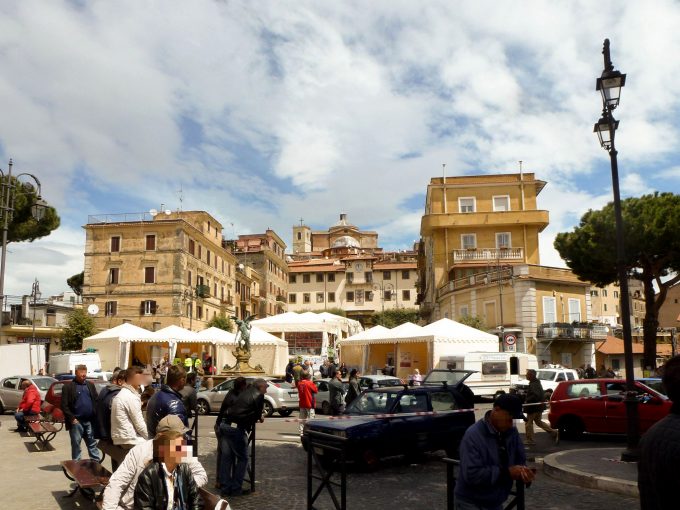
(479, 256)
(158, 270)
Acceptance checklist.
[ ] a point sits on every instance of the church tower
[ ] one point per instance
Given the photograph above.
(302, 238)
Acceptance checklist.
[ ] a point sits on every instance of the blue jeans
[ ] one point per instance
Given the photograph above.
(83, 430)
(21, 421)
(234, 459)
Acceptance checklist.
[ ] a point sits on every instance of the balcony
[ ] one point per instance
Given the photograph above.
(202, 291)
(229, 301)
(487, 255)
(484, 278)
(575, 331)
(281, 298)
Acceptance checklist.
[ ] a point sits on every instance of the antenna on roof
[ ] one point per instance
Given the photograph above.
(443, 173)
(520, 170)
(181, 196)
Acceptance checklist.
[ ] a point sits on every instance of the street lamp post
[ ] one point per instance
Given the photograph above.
(35, 295)
(8, 193)
(609, 85)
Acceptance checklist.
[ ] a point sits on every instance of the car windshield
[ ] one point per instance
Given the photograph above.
(545, 375)
(43, 383)
(373, 402)
(282, 384)
(451, 377)
(388, 382)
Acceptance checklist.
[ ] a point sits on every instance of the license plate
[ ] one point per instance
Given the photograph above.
(293, 394)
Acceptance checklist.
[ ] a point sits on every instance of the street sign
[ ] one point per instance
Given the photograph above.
(510, 339)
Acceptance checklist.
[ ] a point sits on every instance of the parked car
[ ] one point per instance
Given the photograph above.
(549, 377)
(603, 411)
(323, 404)
(281, 397)
(11, 392)
(371, 432)
(53, 395)
(653, 382)
(378, 381)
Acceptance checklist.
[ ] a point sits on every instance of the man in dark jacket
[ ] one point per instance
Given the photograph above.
(336, 394)
(102, 407)
(78, 399)
(152, 491)
(224, 430)
(244, 412)
(534, 408)
(658, 467)
(168, 400)
(491, 457)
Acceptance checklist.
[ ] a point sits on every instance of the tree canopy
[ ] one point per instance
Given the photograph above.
(396, 317)
(474, 321)
(24, 227)
(652, 251)
(76, 283)
(221, 322)
(80, 325)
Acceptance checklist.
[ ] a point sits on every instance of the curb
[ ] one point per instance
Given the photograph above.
(554, 467)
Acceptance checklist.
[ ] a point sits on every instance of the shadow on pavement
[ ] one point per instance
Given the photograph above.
(53, 467)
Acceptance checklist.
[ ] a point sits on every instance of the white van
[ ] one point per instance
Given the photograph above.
(495, 372)
(66, 362)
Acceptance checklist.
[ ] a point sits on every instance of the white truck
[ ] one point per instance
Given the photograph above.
(66, 362)
(550, 376)
(495, 372)
(21, 359)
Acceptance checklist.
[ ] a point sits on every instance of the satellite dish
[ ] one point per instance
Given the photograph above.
(153, 212)
(167, 212)
(93, 309)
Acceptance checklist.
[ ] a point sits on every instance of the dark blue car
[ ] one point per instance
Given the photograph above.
(401, 420)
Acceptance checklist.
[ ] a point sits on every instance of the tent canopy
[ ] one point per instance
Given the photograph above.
(123, 333)
(455, 331)
(175, 334)
(216, 336)
(291, 322)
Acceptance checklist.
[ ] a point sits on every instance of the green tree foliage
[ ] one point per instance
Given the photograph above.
(80, 325)
(221, 321)
(24, 227)
(652, 247)
(396, 317)
(474, 321)
(76, 283)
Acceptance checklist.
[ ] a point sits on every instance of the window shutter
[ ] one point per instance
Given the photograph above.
(152, 307)
(114, 307)
(141, 308)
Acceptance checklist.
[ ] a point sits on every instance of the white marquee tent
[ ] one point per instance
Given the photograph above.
(266, 349)
(113, 345)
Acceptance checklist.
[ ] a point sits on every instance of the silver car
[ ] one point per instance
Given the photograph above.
(281, 397)
(11, 392)
(323, 396)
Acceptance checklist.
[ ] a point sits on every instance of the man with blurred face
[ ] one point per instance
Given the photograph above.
(128, 427)
(491, 458)
(78, 400)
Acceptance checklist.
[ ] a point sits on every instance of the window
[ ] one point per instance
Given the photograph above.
(503, 240)
(299, 236)
(306, 297)
(150, 242)
(574, 310)
(464, 311)
(319, 277)
(306, 278)
(215, 289)
(319, 297)
(468, 241)
(110, 308)
(148, 307)
(192, 247)
(616, 295)
(604, 307)
(501, 203)
(199, 312)
(387, 275)
(604, 292)
(114, 275)
(406, 295)
(149, 275)
(442, 401)
(331, 297)
(387, 295)
(292, 297)
(413, 403)
(207, 256)
(369, 296)
(350, 277)
(549, 309)
(368, 276)
(494, 368)
(115, 244)
(292, 279)
(405, 274)
(189, 278)
(466, 204)
(200, 251)
(577, 390)
(350, 296)
(594, 293)
(331, 277)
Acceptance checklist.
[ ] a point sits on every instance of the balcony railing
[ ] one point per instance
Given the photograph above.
(202, 291)
(576, 331)
(475, 280)
(281, 298)
(488, 254)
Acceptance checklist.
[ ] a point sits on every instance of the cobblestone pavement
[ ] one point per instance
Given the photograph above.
(281, 484)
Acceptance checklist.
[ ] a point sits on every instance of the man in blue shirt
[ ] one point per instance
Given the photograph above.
(491, 458)
(78, 399)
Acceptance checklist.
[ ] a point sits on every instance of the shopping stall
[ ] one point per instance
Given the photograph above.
(113, 345)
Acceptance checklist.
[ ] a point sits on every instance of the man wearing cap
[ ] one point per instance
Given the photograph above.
(120, 492)
(491, 457)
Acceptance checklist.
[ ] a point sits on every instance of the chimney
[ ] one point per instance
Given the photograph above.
(25, 307)
(343, 217)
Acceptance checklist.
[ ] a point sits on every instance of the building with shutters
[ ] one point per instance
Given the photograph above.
(155, 270)
(479, 256)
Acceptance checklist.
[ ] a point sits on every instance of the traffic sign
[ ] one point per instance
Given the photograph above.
(510, 339)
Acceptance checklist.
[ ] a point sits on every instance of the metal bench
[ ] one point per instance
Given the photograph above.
(89, 475)
(43, 431)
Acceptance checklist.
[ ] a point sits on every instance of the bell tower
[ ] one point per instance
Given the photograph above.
(302, 238)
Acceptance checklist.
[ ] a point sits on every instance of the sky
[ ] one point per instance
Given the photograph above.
(266, 112)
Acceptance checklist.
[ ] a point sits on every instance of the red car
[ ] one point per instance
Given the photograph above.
(596, 406)
(52, 403)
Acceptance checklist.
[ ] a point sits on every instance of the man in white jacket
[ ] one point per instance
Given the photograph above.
(120, 493)
(128, 427)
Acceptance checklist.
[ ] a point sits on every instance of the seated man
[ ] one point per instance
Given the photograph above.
(29, 405)
(120, 493)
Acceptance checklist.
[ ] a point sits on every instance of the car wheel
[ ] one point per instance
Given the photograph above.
(326, 408)
(202, 407)
(285, 413)
(268, 409)
(571, 427)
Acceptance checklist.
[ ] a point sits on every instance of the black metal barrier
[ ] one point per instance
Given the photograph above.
(334, 452)
(194, 434)
(451, 464)
(251, 461)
